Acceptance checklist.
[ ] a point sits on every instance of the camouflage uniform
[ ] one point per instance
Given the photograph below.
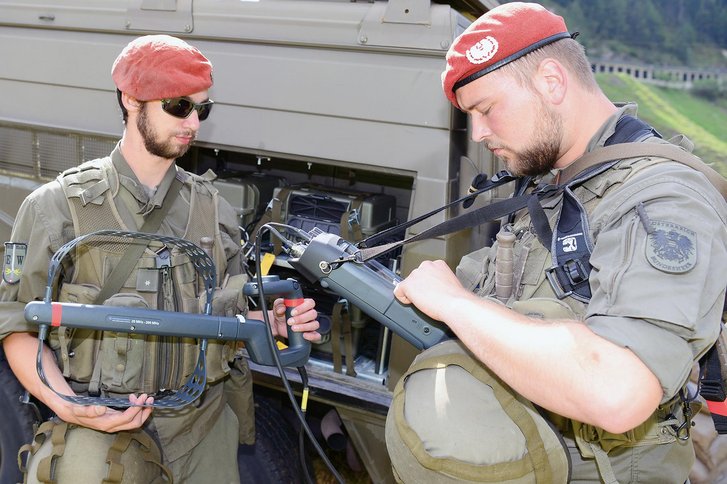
(200, 439)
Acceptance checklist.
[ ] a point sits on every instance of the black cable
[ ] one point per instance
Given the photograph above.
(278, 364)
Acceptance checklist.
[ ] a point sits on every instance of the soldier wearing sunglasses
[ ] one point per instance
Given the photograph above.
(162, 87)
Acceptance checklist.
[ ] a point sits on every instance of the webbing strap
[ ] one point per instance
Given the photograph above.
(121, 443)
(341, 328)
(28, 450)
(639, 150)
(58, 446)
(605, 469)
(587, 166)
(113, 458)
(712, 385)
(470, 219)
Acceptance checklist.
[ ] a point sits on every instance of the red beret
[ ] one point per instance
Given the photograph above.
(160, 67)
(498, 37)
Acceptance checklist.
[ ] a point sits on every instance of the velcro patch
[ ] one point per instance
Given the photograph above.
(671, 247)
(147, 280)
(13, 261)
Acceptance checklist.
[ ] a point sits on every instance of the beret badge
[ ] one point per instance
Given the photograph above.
(483, 50)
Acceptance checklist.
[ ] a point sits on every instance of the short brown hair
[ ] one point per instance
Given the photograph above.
(566, 51)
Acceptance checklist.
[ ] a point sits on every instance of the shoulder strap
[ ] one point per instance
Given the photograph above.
(634, 150)
(127, 263)
(571, 249)
(581, 169)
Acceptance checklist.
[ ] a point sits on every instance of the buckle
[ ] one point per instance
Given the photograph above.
(712, 390)
(573, 272)
(354, 217)
(163, 257)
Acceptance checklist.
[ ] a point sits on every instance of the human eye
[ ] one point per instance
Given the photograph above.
(484, 109)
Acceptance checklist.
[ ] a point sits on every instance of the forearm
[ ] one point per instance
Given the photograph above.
(20, 350)
(560, 365)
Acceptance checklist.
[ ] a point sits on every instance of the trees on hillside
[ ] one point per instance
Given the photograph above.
(666, 30)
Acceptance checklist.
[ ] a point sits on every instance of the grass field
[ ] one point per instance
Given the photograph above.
(675, 111)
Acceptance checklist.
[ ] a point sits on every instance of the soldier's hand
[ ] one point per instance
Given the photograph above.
(303, 319)
(432, 288)
(106, 419)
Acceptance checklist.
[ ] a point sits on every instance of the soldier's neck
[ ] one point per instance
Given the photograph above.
(149, 169)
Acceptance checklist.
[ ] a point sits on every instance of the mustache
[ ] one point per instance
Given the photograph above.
(187, 134)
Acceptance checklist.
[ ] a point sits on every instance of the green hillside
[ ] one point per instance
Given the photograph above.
(674, 111)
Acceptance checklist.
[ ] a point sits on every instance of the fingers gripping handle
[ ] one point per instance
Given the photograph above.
(295, 338)
(298, 350)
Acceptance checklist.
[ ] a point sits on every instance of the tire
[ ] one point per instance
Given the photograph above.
(16, 422)
(273, 459)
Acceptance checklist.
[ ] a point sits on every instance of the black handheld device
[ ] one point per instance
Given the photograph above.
(330, 260)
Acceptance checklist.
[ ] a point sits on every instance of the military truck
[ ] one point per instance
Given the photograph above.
(330, 108)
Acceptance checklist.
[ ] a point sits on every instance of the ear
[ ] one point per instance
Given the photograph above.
(551, 81)
(130, 103)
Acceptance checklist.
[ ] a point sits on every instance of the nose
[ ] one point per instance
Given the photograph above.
(480, 130)
(192, 121)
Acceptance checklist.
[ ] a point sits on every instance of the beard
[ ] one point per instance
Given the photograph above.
(155, 146)
(542, 154)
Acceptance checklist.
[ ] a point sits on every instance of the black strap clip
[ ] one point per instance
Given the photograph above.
(566, 277)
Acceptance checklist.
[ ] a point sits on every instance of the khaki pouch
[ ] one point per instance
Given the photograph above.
(64, 453)
(225, 302)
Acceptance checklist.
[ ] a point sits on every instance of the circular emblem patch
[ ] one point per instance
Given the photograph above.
(482, 51)
(671, 247)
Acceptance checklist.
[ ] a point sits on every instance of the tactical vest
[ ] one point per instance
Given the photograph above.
(110, 363)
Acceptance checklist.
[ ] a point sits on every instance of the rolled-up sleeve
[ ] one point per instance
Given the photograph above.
(660, 270)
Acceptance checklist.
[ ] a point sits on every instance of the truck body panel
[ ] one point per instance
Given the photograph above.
(332, 93)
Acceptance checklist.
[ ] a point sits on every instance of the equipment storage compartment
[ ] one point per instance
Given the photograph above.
(249, 194)
(360, 214)
(352, 203)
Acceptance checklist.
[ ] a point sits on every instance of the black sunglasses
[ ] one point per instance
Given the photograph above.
(181, 107)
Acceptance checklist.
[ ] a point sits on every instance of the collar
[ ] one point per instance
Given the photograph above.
(609, 127)
(148, 198)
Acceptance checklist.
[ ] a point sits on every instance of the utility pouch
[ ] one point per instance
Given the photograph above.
(126, 362)
(227, 301)
(65, 453)
(648, 433)
(238, 392)
(76, 349)
(544, 308)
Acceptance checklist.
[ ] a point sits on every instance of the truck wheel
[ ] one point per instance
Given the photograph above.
(16, 427)
(274, 458)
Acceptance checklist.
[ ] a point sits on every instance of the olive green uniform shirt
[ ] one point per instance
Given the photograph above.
(659, 292)
(44, 223)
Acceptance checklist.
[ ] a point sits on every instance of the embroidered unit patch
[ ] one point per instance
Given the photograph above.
(671, 247)
(13, 262)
